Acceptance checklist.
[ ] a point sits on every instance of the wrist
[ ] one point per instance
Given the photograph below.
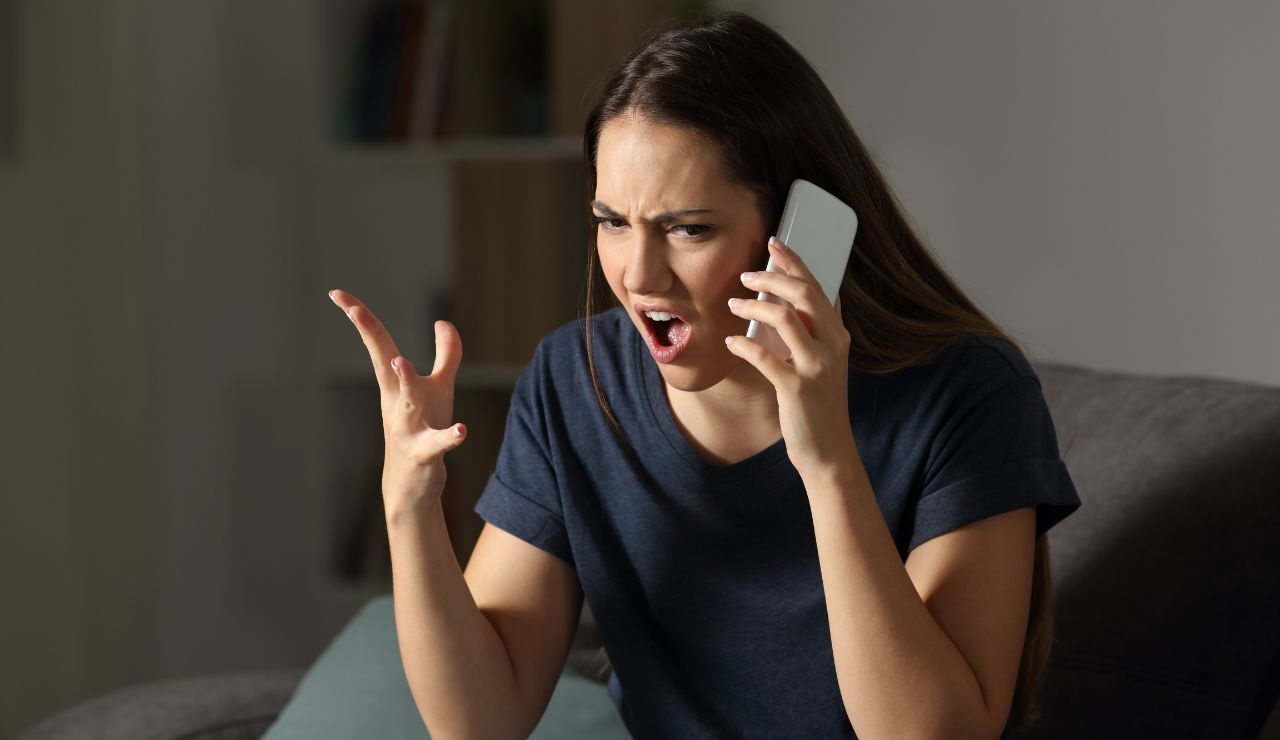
(842, 474)
(839, 457)
(412, 515)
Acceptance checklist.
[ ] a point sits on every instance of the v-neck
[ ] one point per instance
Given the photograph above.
(660, 413)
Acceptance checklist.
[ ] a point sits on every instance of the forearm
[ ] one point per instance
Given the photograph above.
(900, 675)
(456, 664)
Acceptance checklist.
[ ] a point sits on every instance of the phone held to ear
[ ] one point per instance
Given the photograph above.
(820, 228)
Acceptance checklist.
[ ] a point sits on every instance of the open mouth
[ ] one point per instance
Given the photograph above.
(666, 334)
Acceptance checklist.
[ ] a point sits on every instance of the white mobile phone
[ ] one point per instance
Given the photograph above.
(820, 228)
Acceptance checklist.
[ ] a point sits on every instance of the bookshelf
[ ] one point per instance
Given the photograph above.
(500, 157)
(8, 84)
(450, 152)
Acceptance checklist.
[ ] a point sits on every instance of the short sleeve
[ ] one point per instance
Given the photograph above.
(522, 495)
(995, 454)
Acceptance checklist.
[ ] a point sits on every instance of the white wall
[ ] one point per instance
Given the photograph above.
(1103, 177)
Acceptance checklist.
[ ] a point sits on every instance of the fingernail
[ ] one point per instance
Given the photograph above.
(728, 340)
(459, 430)
(734, 302)
(777, 244)
(748, 277)
(335, 300)
(395, 365)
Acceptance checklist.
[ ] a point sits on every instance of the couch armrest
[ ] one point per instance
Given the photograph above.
(230, 706)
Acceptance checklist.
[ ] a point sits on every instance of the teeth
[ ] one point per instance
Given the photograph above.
(658, 315)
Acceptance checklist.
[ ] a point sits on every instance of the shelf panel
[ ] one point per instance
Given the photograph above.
(8, 84)
(489, 376)
(481, 376)
(453, 151)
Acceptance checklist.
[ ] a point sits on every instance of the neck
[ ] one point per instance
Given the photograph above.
(743, 400)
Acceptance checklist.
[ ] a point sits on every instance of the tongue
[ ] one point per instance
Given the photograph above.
(671, 332)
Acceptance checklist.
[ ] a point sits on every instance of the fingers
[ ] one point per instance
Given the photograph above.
(796, 285)
(773, 368)
(407, 420)
(440, 441)
(789, 261)
(794, 331)
(376, 339)
(448, 351)
(406, 416)
(427, 446)
(798, 293)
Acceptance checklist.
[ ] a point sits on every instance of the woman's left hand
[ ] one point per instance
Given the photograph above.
(813, 383)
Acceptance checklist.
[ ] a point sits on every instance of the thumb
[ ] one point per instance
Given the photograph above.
(448, 350)
(449, 438)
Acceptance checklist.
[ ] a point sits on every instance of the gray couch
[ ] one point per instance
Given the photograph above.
(1166, 583)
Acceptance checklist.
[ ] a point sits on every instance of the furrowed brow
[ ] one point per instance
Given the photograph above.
(661, 218)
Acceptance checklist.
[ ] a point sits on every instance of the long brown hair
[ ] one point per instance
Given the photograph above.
(738, 85)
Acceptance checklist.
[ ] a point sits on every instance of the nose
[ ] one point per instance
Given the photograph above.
(647, 268)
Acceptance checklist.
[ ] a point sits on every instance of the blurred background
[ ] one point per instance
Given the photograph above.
(192, 439)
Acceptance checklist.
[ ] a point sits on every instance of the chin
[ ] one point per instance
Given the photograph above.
(688, 379)
(691, 373)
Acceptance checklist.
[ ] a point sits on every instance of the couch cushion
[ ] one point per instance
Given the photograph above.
(230, 706)
(357, 689)
(1166, 582)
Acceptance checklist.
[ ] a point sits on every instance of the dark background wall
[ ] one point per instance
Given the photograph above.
(1102, 177)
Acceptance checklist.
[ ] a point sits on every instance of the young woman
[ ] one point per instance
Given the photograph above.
(849, 540)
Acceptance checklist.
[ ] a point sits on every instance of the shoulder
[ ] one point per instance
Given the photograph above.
(560, 358)
(1006, 356)
(982, 360)
(971, 368)
(568, 342)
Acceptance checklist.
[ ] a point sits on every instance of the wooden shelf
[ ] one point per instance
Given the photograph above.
(413, 154)
(480, 376)
(489, 376)
(9, 103)
(513, 205)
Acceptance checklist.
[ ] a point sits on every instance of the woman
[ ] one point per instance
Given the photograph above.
(847, 540)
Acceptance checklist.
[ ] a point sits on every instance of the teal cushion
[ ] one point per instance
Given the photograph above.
(357, 689)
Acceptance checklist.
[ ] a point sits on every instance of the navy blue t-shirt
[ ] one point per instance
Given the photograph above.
(704, 579)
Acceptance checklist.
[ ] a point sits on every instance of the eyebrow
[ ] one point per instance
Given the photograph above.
(661, 218)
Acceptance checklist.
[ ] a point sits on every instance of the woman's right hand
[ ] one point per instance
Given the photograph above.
(416, 410)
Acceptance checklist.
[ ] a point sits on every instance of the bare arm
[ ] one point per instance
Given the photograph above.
(496, 637)
(456, 663)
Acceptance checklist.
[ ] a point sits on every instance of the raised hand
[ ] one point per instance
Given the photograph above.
(417, 410)
(813, 383)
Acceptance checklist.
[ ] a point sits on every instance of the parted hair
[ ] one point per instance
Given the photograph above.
(738, 85)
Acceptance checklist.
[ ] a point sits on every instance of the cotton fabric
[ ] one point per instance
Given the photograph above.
(703, 579)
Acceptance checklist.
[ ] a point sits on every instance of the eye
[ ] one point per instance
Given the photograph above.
(607, 222)
(691, 231)
(705, 229)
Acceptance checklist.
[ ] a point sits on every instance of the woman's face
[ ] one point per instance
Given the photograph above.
(674, 233)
